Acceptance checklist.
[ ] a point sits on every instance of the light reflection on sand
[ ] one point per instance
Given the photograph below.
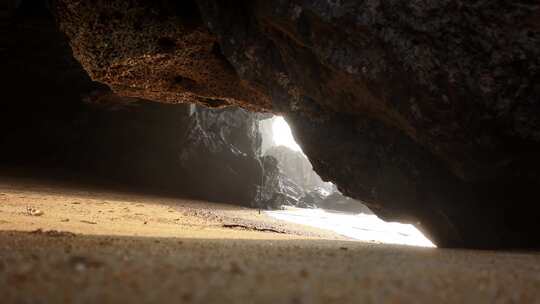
(364, 227)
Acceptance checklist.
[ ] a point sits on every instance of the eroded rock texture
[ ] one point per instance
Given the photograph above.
(153, 50)
(425, 110)
(54, 117)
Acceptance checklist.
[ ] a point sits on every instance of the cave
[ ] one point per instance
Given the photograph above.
(396, 105)
(227, 125)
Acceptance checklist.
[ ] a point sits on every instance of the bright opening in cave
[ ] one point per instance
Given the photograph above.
(282, 134)
(359, 226)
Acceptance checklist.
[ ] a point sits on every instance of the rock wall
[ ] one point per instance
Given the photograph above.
(219, 156)
(425, 110)
(296, 166)
(289, 179)
(54, 117)
(278, 189)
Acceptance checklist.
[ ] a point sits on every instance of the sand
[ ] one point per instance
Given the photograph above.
(91, 245)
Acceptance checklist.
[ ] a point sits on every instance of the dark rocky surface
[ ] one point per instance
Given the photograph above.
(426, 111)
(56, 118)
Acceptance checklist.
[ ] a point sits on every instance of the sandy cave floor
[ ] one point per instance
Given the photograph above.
(104, 246)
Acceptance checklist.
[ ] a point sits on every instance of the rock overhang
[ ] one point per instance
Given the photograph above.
(425, 111)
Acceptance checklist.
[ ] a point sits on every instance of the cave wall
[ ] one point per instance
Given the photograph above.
(426, 111)
(296, 165)
(58, 123)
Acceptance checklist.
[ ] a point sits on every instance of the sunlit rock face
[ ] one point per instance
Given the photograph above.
(295, 165)
(427, 111)
(333, 201)
(219, 155)
(278, 189)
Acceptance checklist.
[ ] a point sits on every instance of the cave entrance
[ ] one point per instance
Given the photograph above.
(282, 135)
(321, 204)
(91, 137)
